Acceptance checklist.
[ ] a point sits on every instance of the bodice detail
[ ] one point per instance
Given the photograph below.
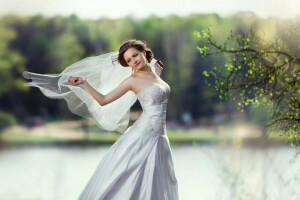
(154, 97)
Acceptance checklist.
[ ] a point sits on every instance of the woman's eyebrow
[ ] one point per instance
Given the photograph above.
(129, 57)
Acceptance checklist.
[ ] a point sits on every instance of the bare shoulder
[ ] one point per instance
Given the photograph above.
(133, 78)
(135, 81)
(130, 81)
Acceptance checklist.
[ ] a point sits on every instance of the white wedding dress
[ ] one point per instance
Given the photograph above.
(139, 165)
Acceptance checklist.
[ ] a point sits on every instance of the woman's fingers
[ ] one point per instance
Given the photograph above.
(160, 63)
(73, 80)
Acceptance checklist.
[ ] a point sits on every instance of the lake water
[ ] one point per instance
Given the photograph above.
(204, 172)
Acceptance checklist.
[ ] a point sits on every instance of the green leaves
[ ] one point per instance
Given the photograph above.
(12, 63)
(205, 73)
(259, 72)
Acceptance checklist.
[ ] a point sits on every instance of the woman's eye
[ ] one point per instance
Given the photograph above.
(133, 56)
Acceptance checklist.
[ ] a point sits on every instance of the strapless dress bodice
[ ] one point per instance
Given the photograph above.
(154, 99)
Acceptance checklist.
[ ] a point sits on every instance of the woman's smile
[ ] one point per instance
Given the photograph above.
(137, 64)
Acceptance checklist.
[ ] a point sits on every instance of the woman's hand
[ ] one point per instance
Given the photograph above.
(160, 63)
(159, 66)
(75, 80)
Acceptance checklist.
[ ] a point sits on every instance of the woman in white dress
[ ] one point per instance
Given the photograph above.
(139, 165)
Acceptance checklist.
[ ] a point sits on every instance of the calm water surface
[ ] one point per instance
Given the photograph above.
(204, 172)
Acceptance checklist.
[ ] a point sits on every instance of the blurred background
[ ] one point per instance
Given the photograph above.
(219, 152)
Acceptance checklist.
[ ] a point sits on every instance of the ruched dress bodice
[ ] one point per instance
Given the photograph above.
(154, 101)
(154, 95)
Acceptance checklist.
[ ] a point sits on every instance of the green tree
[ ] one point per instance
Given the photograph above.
(12, 64)
(258, 72)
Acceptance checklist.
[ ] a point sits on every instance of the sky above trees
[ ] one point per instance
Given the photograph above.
(95, 9)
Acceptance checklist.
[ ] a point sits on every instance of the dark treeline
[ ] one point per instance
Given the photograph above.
(48, 45)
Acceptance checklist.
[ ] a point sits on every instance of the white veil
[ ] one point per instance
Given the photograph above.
(104, 73)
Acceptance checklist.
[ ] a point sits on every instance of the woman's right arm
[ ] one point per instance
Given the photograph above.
(116, 93)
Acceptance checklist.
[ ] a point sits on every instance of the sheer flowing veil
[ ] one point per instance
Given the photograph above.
(104, 73)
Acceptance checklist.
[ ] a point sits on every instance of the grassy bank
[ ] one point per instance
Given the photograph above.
(70, 133)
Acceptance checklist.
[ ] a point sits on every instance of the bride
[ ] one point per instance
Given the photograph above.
(139, 165)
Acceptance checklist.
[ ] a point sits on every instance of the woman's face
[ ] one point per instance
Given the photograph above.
(135, 59)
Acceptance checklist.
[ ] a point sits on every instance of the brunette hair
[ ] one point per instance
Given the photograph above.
(138, 45)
